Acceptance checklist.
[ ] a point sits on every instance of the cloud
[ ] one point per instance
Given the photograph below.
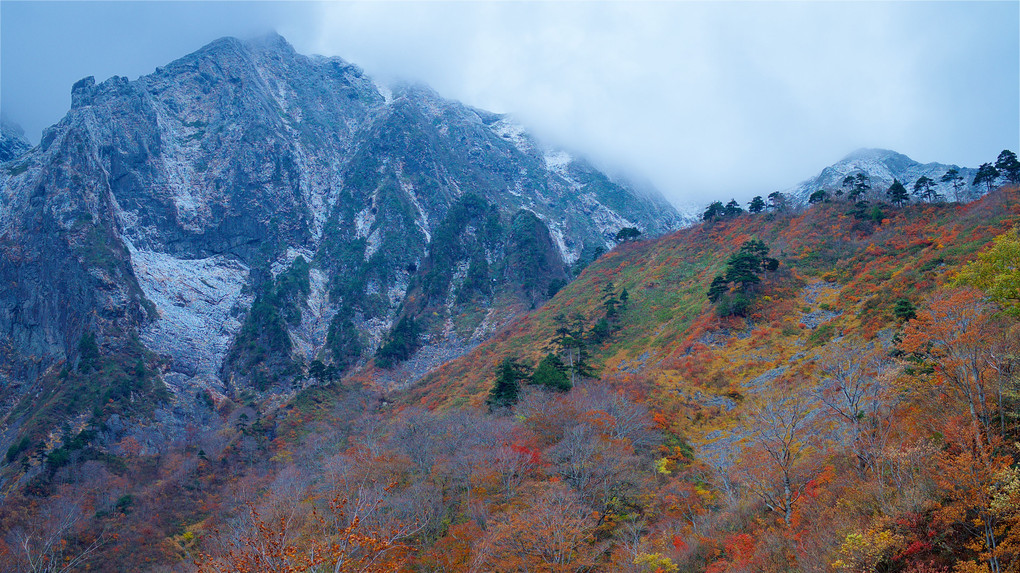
(706, 99)
(711, 98)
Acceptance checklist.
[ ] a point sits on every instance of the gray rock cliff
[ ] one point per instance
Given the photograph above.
(254, 217)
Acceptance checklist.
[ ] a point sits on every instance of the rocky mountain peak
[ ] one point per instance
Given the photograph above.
(873, 154)
(247, 211)
(882, 167)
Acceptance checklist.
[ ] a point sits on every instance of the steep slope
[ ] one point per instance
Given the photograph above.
(12, 141)
(857, 267)
(882, 166)
(253, 216)
(653, 457)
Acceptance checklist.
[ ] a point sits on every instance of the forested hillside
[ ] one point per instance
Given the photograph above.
(822, 389)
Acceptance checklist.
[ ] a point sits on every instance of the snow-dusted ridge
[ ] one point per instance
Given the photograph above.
(882, 166)
(194, 187)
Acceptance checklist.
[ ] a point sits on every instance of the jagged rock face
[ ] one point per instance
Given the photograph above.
(882, 166)
(12, 141)
(247, 210)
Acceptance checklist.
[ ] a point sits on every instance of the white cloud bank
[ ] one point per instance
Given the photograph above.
(708, 100)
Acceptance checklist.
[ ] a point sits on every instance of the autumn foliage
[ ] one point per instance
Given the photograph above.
(859, 414)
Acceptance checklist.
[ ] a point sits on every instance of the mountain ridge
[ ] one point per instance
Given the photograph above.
(246, 211)
(882, 166)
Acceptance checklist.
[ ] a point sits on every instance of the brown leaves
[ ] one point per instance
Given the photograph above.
(554, 534)
(292, 543)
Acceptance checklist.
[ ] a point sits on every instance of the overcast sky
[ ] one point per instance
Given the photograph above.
(706, 100)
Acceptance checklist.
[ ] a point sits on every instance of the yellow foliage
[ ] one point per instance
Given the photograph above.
(662, 466)
(283, 456)
(997, 272)
(1007, 494)
(970, 567)
(862, 552)
(655, 563)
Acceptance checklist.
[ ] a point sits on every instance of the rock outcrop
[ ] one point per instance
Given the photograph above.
(255, 216)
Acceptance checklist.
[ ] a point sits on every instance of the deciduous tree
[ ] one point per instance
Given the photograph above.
(997, 272)
(854, 388)
(554, 533)
(776, 464)
(953, 332)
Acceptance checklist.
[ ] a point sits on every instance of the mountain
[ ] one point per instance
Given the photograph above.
(248, 217)
(882, 166)
(823, 425)
(12, 141)
(857, 266)
(861, 328)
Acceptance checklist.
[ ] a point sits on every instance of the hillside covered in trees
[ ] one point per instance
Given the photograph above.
(828, 388)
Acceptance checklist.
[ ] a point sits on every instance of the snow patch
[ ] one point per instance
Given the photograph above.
(570, 256)
(315, 317)
(422, 220)
(373, 242)
(605, 219)
(363, 222)
(376, 329)
(515, 133)
(557, 161)
(398, 289)
(451, 295)
(195, 300)
(882, 167)
(384, 91)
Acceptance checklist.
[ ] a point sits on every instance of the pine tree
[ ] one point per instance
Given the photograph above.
(954, 178)
(627, 234)
(506, 391)
(924, 188)
(904, 310)
(714, 211)
(986, 174)
(743, 269)
(777, 201)
(848, 185)
(757, 205)
(551, 373)
(719, 287)
(1008, 166)
(570, 340)
(861, 185)
(609, 300)
(897, 193)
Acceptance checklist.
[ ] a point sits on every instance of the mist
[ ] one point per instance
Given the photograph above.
(705, 100)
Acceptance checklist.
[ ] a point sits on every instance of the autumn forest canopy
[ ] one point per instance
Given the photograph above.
(827, 387)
